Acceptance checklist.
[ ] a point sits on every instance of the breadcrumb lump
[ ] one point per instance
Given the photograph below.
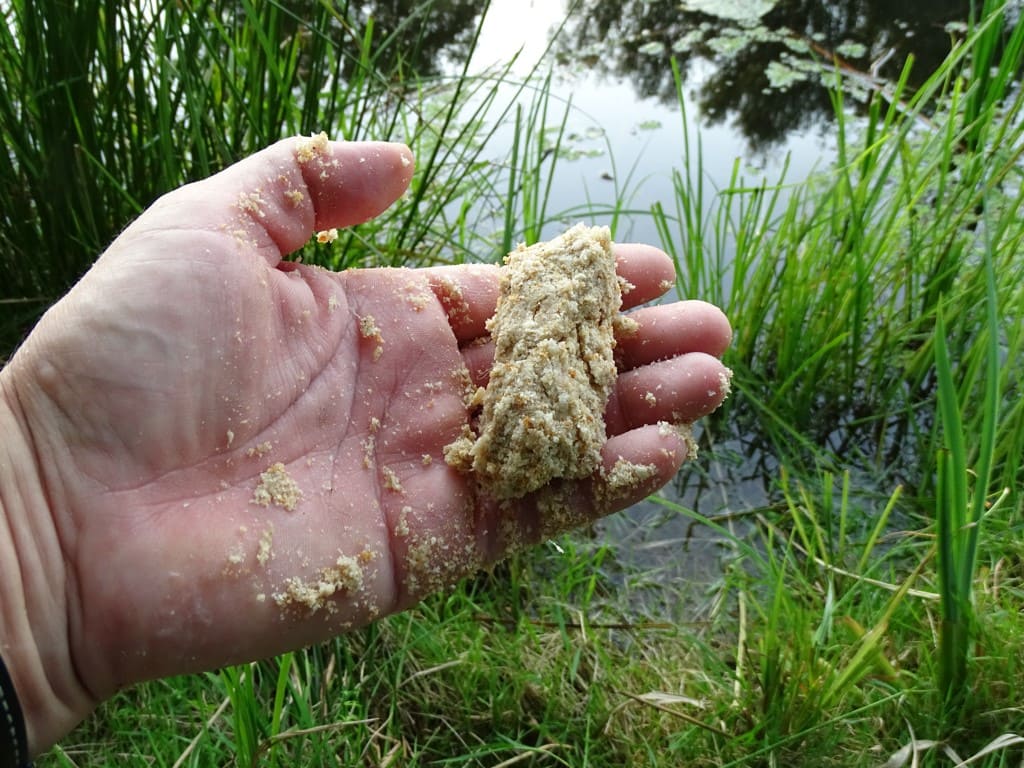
(259, 449)
(344, 577)
(265, 550)
(625, 475)
(369, 330)
(277, 487)
(311, 147)
(554, 335)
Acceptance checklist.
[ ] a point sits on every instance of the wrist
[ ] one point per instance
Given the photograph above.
(33, 588)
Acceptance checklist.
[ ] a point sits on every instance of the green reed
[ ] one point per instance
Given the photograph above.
(104, 106)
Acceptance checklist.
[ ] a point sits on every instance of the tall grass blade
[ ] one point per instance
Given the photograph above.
(960, 510)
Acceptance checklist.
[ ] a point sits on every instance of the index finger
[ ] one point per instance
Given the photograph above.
(469, 292)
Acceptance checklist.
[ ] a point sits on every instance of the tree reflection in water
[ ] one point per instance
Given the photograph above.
(407, 38)
(420, 36)
(766, 72)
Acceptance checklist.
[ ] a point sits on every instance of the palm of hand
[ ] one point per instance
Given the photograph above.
(261, 447)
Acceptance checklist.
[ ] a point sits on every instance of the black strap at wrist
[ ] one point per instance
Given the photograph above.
(13, 741)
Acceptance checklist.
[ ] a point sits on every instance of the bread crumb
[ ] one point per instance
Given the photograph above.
(553, 330)
(453, 301)
(231, 437)
(417, 563)
(370, 444)
(558, 512)
(402, 525)
(625, 475)
(265, 549)
(369, 451)
(368, 329)
(626, 326)
(418, 300)
(433, 564)
(333, 303)
(252, 202)
(295, 197)
(725, 381)
(327, 235)
(391, 481)
(278, 488)
(237, 555)
(311, 147)
(344, 577)
(427, 460)
(260, 449)
(685, 433)
(651, 399)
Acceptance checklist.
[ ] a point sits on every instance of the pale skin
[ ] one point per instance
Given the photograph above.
(139, 416)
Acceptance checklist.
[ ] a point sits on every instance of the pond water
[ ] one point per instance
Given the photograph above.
(752, 74)
(752, 91)
(622, 142)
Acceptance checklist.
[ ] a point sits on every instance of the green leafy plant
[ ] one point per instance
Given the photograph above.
(960, 509)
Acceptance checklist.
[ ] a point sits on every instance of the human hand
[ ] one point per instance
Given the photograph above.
(222, 456)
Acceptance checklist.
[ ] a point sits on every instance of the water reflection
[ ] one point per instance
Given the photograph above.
(417, 36)
(408, 37)
(762, 73)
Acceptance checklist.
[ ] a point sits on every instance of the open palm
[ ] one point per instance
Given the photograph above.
(245, 455)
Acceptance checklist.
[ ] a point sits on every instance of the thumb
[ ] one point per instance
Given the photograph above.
(278, 197)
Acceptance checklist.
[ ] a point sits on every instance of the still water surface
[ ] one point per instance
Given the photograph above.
(625, 142)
